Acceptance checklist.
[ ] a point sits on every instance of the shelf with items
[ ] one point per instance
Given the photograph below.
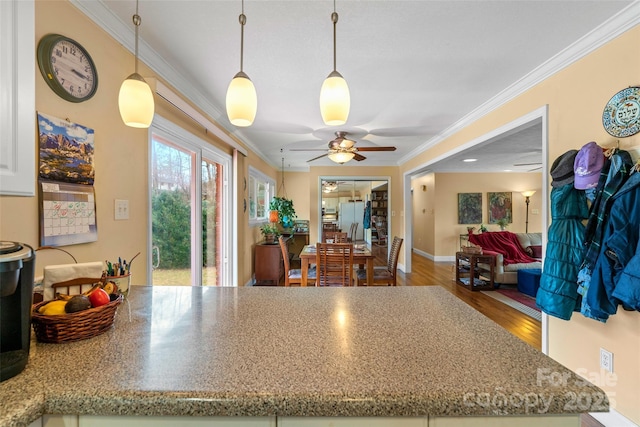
(475, 271)
(379, 204)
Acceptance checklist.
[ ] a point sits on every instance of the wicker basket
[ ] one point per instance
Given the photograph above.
(74, 326)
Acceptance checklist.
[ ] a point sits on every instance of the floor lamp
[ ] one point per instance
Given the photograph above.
(527, 195)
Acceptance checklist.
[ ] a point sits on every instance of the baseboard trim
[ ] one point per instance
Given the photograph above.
(613, 418)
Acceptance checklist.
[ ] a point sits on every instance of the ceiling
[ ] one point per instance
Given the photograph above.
(416, 69)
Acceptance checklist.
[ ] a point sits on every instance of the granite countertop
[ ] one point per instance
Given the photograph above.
(402, 351)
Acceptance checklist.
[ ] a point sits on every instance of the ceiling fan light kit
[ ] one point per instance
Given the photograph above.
(341, 157)
(135, 99)
(335, 101)
(242, 100)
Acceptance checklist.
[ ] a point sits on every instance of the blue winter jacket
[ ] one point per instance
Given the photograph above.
(558, 292)
(615, 277)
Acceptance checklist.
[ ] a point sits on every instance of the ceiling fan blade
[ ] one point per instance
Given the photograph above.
(319, 157)
(358, 157)
(376, 148)
(535, 169)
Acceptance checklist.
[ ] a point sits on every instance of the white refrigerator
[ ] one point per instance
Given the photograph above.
(351, 212)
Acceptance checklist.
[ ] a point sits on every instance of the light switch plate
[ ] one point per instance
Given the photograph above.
(121, 209)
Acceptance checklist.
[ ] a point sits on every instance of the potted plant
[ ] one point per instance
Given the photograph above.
(502, 222)
(270, 232)
(482, 228)
(286, 212)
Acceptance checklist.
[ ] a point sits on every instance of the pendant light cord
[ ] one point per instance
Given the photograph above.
(284, 190)
(137, 20)
(243, 20)
(334, 19)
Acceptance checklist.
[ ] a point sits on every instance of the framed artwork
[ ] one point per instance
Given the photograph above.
(469, 208)
(66, 150)
(500, 207)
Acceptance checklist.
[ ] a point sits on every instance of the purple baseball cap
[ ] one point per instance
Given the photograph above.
(587, 166)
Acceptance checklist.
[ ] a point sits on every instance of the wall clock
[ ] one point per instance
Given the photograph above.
(67, 68)
(621, 116)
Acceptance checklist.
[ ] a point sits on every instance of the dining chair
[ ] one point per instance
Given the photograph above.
(334, 264)
(352, 232)
(293, 276)
(335, 237)
(383, 274)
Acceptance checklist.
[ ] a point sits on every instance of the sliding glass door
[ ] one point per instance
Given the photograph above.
(190, 210)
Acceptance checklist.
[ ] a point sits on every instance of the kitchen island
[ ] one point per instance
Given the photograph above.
(413, 352)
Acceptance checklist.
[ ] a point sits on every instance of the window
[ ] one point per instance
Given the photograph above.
(261, 190)
(190, 209)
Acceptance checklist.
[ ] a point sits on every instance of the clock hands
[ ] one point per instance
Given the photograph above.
(77, 73)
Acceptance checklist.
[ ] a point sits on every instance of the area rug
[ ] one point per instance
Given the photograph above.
(521, 302)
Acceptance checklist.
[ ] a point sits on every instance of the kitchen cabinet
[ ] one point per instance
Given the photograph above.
(140, 421)
(18, 101)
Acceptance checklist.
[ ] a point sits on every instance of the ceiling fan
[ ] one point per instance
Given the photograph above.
(342, 149)
(537, 164)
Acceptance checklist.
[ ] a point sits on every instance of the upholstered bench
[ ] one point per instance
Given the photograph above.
(529, 281)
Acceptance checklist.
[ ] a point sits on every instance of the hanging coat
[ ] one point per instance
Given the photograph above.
(366, 221)
(612, 177)
(619, 246)
(558, 292)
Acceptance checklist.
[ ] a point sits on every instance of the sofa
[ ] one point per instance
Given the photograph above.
(513, 251)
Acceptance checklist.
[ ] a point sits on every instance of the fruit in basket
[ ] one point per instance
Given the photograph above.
(77, 303)
(111, 288)
(99, 297)
(53, 308)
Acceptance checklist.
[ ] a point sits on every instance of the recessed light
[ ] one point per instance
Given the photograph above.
(470, 160)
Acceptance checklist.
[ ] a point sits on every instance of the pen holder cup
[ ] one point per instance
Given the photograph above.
(122, 282)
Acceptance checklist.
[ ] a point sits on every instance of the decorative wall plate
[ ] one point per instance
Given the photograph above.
(621, 116)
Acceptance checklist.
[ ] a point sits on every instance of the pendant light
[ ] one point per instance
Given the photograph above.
(135, 99)
(242, 101)
(335, 101)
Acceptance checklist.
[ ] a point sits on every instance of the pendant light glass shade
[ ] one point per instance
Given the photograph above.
(341, 156)
(335, 101)
(242, 100)
(135, 101)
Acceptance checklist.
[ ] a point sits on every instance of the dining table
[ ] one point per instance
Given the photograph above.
(362, 255)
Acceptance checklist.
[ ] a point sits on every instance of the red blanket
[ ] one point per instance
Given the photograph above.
(504, 242)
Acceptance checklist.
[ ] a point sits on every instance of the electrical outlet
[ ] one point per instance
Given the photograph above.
(121, 209)
(535, 211)
(606, 360)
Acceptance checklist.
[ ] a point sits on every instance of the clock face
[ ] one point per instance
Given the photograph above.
(67, 68)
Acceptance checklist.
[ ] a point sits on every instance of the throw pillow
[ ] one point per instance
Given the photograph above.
(534, 251)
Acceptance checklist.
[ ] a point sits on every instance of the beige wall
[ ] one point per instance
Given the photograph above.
(576, 97)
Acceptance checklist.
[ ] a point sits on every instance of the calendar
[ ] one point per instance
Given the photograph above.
(67, 214)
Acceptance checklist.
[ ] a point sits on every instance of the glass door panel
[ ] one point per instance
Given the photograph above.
(212, 233)
(171, 213)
